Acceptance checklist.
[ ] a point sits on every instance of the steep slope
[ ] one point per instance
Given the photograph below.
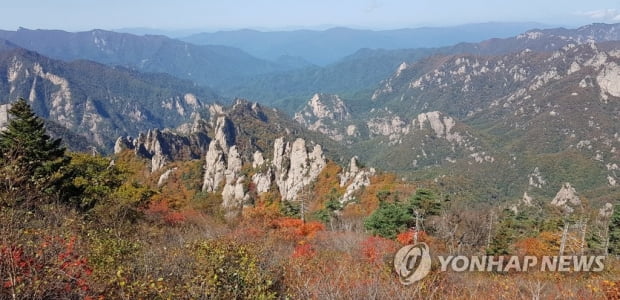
(367, 67)
(97, 101)
(207, 65)
(554, 112)
(248, 150)
(496, 126)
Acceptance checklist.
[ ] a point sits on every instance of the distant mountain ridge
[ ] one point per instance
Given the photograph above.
(206, 65)
(328, 46)
(363, 70)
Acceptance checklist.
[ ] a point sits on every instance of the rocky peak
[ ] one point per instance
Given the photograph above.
(354, 179)
(162, 147)
(224, 132)
(215, 166)
(196, 125)
(566, 198)
(325, 113)
(296, 166)
(441, 124)
(525, 201)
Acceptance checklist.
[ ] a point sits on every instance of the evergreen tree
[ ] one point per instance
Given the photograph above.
(30, 160)
(425, 202)
(388, 220)
(614, 232)
(504, 235)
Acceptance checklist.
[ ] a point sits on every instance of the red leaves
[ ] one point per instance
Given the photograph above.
(55, 264)
(161, 209)
(297, 227)
(304, 251)
(408, 237)
(376, 248)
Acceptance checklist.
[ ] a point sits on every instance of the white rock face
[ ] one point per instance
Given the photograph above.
(606, 211)
(93, 120)
(394, 128)
(295, 167)
(324, 113)
(566, 198)
(258, 159)
(352, 130)
(196, 125)
(442, 125)
(4, 116)
(608, 79)
(223, 166)
(536, 179)
(62, 106)
(164, 177)
(527, 200)
(356, 177)
(191, 100)
(224, 132)
(263, 181)
(215, 167)
(234, 194)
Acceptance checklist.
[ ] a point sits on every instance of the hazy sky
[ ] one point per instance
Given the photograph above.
(288, 14)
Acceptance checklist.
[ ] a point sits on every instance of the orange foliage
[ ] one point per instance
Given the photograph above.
(297, 227)
(161, 209)
(376, 249)
(327, 181)
(261, 214)
(611, 289)
(544, 244)
(368, 201)
(303, 250)
(407, 237)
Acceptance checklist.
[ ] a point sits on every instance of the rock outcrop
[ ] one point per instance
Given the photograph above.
(294, 166)
(164, 177)
(567, 198)
(4, 115)
(326, 114)
(606, 211)
(164, 146)
(356, 178)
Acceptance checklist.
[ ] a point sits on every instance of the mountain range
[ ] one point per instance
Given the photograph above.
(323, 47)
(95, 100)
(498, 120)
(206, 65)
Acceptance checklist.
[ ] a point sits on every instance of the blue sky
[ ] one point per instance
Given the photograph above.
(292, 14)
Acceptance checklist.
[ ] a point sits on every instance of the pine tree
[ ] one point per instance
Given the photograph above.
(388, 220)
(425, 202)
(504, 235)
(614, 232)
(29, 159)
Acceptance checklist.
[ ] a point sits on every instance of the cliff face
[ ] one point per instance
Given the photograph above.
(164, 146)
(95, 101)
(293, 167)
(247, 150)
(328, 115)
